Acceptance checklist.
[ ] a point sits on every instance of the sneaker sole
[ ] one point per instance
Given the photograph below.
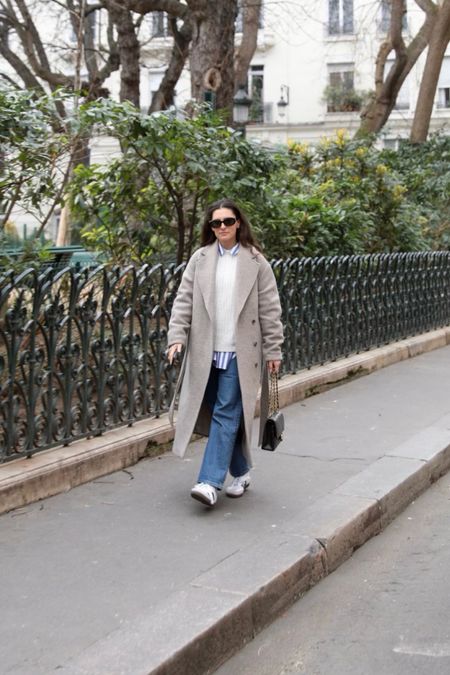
(234, 496)
(202, 499)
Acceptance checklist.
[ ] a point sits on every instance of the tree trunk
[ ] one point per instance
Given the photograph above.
(129, 51)
(251, 14)
(63, 234)
(436, 52)
(377, 112)
(212, 51)
(164, 97)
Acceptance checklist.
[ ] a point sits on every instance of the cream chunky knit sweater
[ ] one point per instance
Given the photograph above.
(224, 328)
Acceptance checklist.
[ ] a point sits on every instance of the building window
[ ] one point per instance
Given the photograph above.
(256, 89)
(384, 21)
(390, 143)
(340, 17)
(159, 24)
(342, 78)
(444, 97)
(444, 84)
(340, 94)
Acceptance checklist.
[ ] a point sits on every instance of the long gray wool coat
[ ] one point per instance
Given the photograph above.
(259, 336)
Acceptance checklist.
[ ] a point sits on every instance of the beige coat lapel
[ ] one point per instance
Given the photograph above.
(207, 275)
(246, 273)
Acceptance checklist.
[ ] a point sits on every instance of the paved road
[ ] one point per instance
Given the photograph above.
(386, 611)
(79, 566)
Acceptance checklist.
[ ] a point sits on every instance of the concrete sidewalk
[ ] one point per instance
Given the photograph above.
(129, 575)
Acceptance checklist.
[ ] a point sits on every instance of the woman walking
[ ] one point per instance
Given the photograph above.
(226, 316)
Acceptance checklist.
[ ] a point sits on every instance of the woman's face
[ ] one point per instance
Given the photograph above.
(226, 234)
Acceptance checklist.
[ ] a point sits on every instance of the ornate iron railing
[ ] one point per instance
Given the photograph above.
(336, 306)
(83, 351)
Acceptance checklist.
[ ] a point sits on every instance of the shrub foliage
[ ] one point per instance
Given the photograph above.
(342, 196)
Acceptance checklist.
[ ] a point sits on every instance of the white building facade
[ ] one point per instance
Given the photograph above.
(309, 49)
(304, 47)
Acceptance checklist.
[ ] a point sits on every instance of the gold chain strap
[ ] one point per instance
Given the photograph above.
(274, 404)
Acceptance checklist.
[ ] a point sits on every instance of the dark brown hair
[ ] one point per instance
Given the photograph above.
(244, 233)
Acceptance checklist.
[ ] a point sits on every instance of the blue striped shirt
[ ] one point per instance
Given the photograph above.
(222, 360)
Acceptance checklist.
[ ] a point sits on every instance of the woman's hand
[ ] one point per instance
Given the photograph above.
(174, 349)
(273, 366)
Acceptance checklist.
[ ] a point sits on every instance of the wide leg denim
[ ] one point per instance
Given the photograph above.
(223, 450)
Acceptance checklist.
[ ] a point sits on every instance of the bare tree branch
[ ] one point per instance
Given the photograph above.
(377, 112)
(426, 6)
(32, 43)
(243, 56)
(172, 7)
(19, 66)
(129, 50)
(113, 61)
(398, 10)
(438, 43)
(164, 97)
(34, 65)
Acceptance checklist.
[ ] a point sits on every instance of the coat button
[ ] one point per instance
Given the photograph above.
(256, 365)
(255, 344)
(253, 320)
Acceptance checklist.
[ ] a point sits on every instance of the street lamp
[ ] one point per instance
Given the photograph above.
(284, 100)
(241, 106)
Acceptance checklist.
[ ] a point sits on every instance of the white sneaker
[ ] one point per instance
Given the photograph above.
(238, 486)
(204, 493)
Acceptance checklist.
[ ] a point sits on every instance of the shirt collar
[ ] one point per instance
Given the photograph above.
(232, 251)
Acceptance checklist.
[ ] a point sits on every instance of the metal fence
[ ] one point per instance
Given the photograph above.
(333, 307)
(82, 351)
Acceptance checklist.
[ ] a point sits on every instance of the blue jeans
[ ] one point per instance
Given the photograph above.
(223, 450)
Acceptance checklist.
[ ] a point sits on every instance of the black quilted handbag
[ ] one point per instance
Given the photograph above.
(274, 426)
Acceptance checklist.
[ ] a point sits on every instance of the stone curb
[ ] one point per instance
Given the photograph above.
(57, 470)
(198, 628)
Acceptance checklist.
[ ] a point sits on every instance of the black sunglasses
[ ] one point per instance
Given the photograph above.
(228, 222)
